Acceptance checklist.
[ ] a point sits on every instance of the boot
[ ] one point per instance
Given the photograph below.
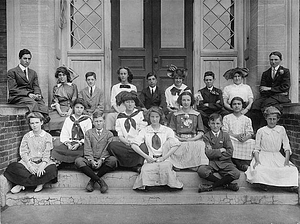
(90, 186)
(103, 185)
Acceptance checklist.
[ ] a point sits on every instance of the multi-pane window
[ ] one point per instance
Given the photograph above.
(218, 24)
(86, 24)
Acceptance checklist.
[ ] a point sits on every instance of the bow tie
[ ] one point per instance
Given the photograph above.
(175, 91)
(125, 86)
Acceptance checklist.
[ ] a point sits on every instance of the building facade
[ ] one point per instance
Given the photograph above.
(200, 35)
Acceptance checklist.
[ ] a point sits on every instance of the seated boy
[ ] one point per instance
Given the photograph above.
(212, 101)
(218, 148)
(96, 156)
(153, 95)
(92, 95)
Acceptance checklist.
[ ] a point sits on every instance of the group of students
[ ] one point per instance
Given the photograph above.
(147, 146)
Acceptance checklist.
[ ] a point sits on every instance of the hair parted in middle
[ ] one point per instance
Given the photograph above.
(186, 93)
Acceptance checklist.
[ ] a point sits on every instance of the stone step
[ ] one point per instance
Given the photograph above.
(62, 196)
(125, 179)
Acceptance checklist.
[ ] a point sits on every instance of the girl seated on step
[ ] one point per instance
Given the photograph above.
(157, 168)
(239, 127)
(269, 166)
(72, 135)
(188, 126)
(35, 167)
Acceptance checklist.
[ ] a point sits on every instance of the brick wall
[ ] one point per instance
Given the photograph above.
(291, 122)
(3, 52)
(12, 129)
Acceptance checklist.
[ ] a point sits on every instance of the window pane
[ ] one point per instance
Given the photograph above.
(172, 23)
(218, 24)
(86, 24)
(131, 23)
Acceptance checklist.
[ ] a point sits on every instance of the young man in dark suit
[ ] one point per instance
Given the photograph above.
(274, 89)
(92, 95)
(153, 95)
(212, 99)
(24, 87)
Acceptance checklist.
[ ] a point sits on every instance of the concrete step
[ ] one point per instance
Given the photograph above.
(62, 196)
(71, 190)
(126, 179)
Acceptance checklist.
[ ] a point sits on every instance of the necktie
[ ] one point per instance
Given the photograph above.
(273, 73)
(26, 74)
(156, 142)
(152, 92)
(91, 91)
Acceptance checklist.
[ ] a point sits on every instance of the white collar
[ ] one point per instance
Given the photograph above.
(23, 68)
(68, 83)
(210, 89)
(216, 133)
(276, 68)
(42, 134)
(152, 88)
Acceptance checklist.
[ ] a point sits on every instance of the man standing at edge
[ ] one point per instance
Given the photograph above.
(24, 87)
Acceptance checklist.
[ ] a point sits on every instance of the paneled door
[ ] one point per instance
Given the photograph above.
(149, 36)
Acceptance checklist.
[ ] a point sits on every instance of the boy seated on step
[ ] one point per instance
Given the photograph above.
(218, 149)
(96, 157)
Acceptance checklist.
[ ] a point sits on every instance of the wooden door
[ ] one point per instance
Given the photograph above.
(149, 36)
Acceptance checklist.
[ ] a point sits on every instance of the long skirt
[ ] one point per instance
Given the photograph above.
(272, 171)
(57, 121)
(18, 174)
(188, 155)
(125, 155)
(63, 154)
(157, 174)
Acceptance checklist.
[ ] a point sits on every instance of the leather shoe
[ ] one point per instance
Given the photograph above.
(232, 186)
(16, 189)
(103, 186)
(90, 186)
(204, 188)
(39, 188)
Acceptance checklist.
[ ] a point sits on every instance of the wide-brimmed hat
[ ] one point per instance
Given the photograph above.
(125, 95)
(73, 74)
(173, 72)
(231, 72)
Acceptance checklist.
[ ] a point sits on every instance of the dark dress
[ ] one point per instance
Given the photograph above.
(33, 150)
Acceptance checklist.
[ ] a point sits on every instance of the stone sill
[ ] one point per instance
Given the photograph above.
(10, 109)
(291, 108)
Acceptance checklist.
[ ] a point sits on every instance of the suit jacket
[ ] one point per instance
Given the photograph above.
(158, 98)
(95, 145)
(19, 86)
(280, 84)
(213, 144)
(94, 103)
(211, 98)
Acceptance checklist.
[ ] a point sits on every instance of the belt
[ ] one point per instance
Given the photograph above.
(157, 156)
(37, 161)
